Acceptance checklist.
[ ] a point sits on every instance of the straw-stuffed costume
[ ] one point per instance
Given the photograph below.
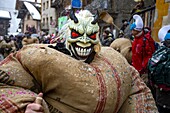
(29, 40)
(105, 84)
(124, 46)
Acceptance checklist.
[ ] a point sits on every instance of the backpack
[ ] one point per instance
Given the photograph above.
(146, 31)
(159, 68)
(156, 44)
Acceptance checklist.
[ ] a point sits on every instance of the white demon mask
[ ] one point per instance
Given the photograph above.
(83, 38)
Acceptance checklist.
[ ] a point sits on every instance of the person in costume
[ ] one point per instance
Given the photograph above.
(159, 71)
(123, 46)
(29, 40)
(10, 46)
(2, 47)
(92, 79)
(142, 47)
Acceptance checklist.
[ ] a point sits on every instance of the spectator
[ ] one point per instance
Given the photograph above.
(140, 5)
(2, 47)
(159, 71)
(107, 38)
(10, 46)
(142, 47)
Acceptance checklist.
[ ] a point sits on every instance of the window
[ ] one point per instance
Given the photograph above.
(43, 6)
(47, 20)
(27, 27)
(47, 5)
(43, 20)
(51, 20)
(28, 17)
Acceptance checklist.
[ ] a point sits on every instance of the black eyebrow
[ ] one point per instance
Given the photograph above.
(73, 30)
(92, 33)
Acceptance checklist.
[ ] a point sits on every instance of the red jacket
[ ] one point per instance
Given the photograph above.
(142, 50)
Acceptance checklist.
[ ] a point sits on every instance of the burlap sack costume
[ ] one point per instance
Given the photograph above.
(124, 46)
(31, 40)
(107, 85)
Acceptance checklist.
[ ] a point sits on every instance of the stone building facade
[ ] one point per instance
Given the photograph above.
(49, 17)
(118, 9)
(30, 16)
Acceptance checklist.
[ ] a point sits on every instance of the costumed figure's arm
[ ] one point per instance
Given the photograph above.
(36, 40)
(18, 100)
(24, 41)
(35, 107)
(18, 87)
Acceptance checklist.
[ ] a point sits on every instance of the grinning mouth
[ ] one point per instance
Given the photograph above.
(83, 52)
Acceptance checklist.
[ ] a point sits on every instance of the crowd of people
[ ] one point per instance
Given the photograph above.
(12, 43)
(78, 72)
(150, 59)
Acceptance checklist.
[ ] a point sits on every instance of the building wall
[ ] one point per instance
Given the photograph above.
(3, 26)
(124, 7)
(48, 20)
(9, 5)
(30, 22)
(26, 17)
(162, 16)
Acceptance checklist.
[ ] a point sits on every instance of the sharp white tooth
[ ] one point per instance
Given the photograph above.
(76, 49)
(78, 52)
(89, 49)
(87, 53)
(81, 52)
(84, 52)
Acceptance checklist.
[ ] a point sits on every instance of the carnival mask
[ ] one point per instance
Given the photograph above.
(83, 34)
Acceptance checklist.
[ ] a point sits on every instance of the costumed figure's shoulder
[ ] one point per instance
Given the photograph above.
(25, 38)
(121, 42)
(36, 47)
(113, 56)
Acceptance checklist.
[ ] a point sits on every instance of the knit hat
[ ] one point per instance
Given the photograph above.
(163, 33)
(138, 24)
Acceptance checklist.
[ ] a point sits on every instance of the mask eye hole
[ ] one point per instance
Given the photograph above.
(74, 34)
(93, 36)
